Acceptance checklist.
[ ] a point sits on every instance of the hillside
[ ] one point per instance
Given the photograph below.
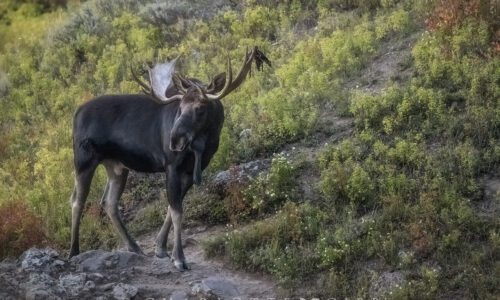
(363, 164)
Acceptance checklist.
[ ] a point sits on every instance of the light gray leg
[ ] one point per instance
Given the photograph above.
(161, 239)
(78, 198)
(103, 200)
(177, 252)
(117, 178)
(105, 194)
(178, 184)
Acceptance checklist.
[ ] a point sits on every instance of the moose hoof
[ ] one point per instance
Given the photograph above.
(181, 265)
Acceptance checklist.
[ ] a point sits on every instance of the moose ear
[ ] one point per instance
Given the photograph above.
(217, 83)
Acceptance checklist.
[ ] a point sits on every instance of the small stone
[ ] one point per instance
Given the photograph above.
(41, 286)
(96, 277)
(215, 287)
(89, 285)
(106, 286)
(123, 291)
(179, 295)
(73, 284)
(246, 133)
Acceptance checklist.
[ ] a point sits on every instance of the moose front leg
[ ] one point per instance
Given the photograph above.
(177, 252)
(161, 239)
(177, 185)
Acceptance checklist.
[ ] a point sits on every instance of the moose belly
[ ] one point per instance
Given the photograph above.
(134, 158)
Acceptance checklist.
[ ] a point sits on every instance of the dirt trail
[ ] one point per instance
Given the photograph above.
(247, 285)
(99, 274)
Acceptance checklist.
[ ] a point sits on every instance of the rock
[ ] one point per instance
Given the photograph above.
(41, 286)
(160, 267)
(95, 277)
(215, 287)
(106, 287)
(9, 286)
(41, 261)
(40, 294)
(489, 205)
(92, 261)
(385, 283)
(238, 174)
(73, 284)
(246, 133)
(99, 260)
(123, 291)
(179, 295)
(89, 285)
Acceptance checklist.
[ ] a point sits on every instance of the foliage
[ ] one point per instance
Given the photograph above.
(402, 189)
(275, 245)
(149, 218)
(19, 228)
(401, 192)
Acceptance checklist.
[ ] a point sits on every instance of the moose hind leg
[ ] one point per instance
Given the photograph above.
(83, 180)
(117, 178)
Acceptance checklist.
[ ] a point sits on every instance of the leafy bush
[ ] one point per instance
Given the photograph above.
(274, 245)
(205, 208)
(20, 229)
(264, 194)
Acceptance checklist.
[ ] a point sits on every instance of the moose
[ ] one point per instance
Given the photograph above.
(174, 128)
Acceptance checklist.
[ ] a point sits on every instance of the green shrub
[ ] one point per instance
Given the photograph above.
(205, 208)
(399, 21)
(263, 195)
(279, 246)
(360, 188)
(150, 218)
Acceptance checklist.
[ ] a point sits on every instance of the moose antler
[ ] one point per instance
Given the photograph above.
(162, 75)
(230, 85)
(160, 78)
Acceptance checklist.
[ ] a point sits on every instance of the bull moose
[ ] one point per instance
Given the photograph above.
(174, 128)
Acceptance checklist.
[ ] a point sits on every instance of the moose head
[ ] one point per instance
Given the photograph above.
(197, 101)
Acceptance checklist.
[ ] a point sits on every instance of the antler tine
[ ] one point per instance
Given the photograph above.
(145, 88)
(181, 83)
(230, 85)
